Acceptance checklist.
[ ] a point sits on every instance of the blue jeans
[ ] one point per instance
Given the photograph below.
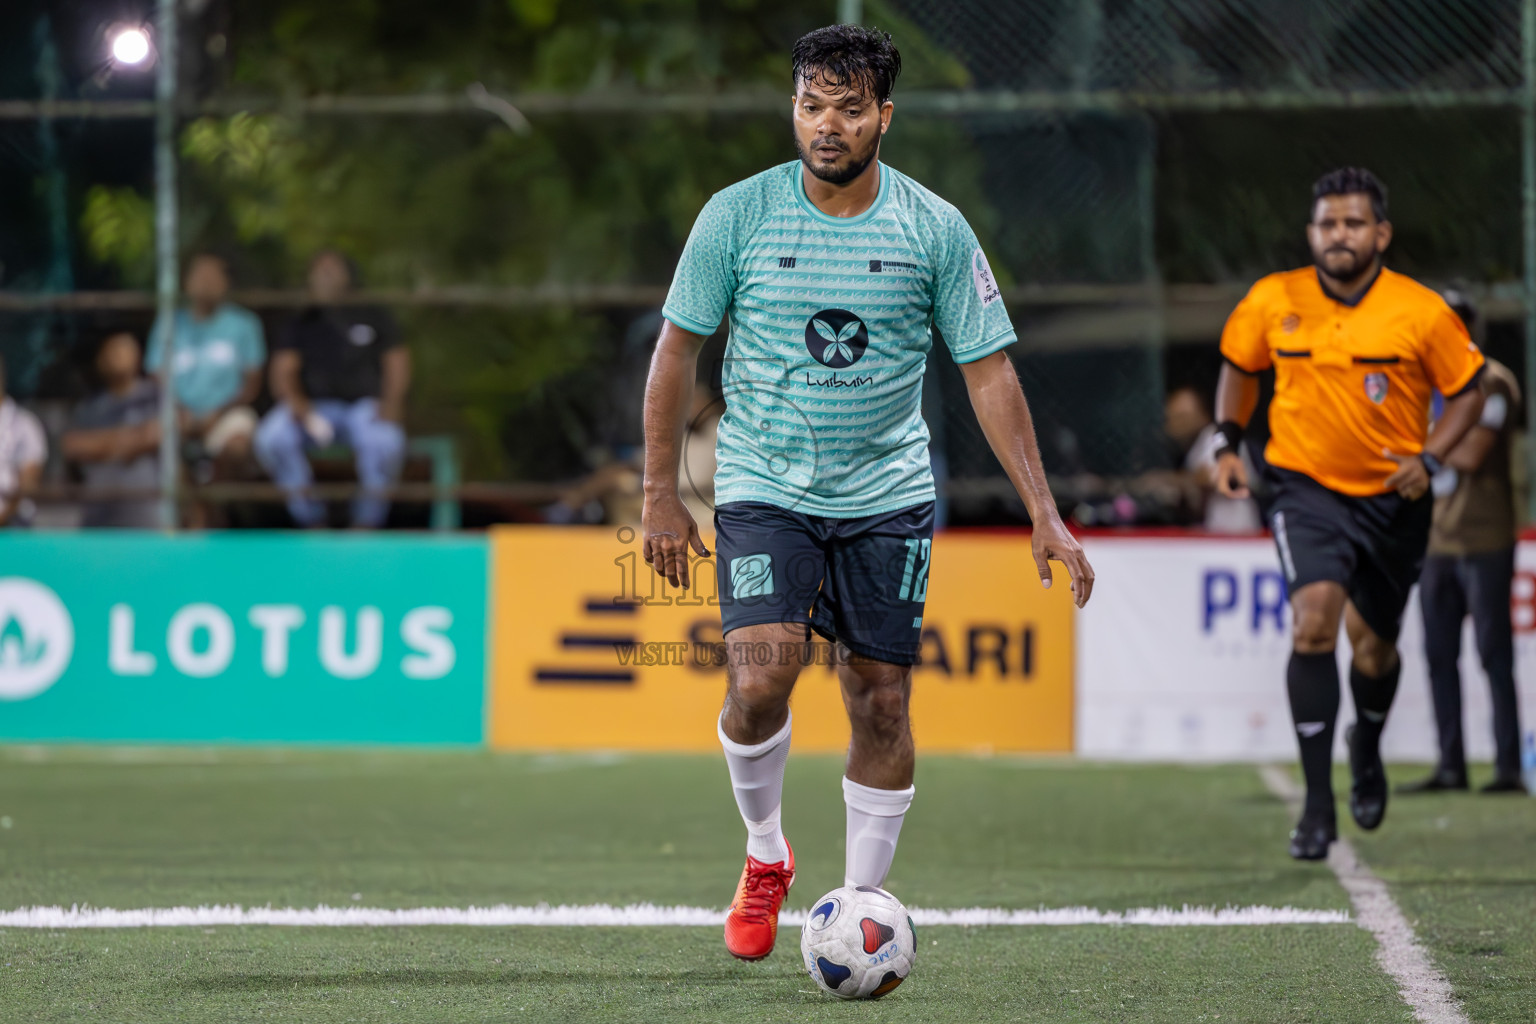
(282, 448)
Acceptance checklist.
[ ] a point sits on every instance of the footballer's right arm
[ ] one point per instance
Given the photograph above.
(666, 528)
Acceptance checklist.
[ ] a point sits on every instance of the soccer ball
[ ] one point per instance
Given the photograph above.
(859, 942)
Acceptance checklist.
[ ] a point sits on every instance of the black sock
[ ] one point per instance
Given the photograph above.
(1373, 699)
(1312, 681)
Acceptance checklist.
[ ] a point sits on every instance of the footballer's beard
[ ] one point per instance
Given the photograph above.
(837, 175)
(1358, 265)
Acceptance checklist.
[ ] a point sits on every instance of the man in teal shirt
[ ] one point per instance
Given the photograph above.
(219, 352)
(833, 272)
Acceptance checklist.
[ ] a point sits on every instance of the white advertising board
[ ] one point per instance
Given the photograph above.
(1181, 656)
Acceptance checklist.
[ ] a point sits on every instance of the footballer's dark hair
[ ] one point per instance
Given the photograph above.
(850, 57)
(1347, 181)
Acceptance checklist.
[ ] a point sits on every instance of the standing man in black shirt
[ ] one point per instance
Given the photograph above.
(339, 375)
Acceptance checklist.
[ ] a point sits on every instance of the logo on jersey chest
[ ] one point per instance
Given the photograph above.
(836, 338)
(832, 380)
(1376, 386)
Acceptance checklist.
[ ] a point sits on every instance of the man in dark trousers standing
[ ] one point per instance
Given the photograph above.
(1469, 569)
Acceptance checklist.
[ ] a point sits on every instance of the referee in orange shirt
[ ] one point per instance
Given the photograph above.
(1358, 352)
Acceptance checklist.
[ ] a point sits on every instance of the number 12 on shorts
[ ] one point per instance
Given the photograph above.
(915, 587)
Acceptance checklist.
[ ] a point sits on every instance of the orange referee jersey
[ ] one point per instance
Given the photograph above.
(1350, 378)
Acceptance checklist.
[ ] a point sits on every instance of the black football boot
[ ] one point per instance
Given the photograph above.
(1368, 793)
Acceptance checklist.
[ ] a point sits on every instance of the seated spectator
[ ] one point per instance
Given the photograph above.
(115, 438)
(698, 461)
(1180, 496)
(1188, 423)
(219, 350)
(339, 375)
(612, 494)
(23, 450)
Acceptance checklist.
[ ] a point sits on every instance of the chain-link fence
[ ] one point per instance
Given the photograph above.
(1130, 165)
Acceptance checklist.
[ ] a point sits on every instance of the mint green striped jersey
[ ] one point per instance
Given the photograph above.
(830, 325)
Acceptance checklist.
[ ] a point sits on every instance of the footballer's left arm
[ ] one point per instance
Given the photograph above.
(1004, 415)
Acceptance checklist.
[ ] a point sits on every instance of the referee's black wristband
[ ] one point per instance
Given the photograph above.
(1432, 465)
(1229, 438)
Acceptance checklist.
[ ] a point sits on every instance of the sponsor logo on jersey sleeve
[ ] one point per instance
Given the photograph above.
(981, 273)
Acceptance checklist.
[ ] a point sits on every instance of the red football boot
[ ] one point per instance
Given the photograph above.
(752, 924)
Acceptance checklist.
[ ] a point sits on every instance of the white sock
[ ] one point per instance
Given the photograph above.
(874, 824)
(757, 777)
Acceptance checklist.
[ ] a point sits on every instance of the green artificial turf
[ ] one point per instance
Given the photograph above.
(140, 828)
(1463, 868)
(1300, 973)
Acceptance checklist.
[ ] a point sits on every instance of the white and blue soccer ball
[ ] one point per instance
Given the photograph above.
(858, 942)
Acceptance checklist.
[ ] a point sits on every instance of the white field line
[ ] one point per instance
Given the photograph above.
(1420, 983)
(641, 914)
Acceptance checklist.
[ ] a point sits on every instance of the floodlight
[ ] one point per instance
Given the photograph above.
(130, 46)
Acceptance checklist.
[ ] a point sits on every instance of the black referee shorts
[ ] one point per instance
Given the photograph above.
(1373, 547)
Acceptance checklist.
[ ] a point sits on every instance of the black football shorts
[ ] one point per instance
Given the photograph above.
(1373, 546)
(860, 582)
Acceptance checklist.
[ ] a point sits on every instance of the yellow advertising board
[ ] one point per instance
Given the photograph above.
(592, 651)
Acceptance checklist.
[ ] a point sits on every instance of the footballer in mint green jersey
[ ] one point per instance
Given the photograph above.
(832, 274)
(830, 323)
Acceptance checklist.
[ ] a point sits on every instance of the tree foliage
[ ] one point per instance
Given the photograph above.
(460, 199)
(118, 226)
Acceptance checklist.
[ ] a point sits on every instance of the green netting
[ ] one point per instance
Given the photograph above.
(1130, 165)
